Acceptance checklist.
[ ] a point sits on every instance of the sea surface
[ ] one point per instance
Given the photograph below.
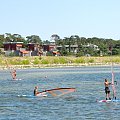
(16, 102)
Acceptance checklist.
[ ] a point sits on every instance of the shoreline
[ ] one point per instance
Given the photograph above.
(56, 65)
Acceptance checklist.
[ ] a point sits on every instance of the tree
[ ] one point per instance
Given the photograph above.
(34, 39)
(2, 39)
(17, 38)
(46, 42)
(8, 37)
(64, 51)
(14, 38)
(55, 37)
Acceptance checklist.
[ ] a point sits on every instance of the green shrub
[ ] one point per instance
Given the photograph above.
(56, 61)
(12, 54)
(62, 60)
(44, 61)
(117, 60)
(79, 60)
(36, 61)
(25, 62)
(91, 60)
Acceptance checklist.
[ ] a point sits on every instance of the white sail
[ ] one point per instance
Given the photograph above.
(113, 83)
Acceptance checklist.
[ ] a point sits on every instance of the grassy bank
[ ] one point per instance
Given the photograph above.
(52, 61)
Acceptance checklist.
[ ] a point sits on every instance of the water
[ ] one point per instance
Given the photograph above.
(80, 105)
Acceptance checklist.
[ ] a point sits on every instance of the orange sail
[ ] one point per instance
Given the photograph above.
(60, 91)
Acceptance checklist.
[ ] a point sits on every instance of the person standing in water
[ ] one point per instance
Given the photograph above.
(14, 74)
(107, 90)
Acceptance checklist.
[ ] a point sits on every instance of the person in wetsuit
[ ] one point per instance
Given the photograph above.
(107, 90)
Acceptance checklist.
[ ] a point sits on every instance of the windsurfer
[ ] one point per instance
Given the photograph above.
(14, 74)
(107, 90)
(36, 91)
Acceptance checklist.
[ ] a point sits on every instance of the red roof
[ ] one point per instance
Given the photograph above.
(19, 45)
(24, 51)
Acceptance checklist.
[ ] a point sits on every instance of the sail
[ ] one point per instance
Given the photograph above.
(113, 83)
(60, 91)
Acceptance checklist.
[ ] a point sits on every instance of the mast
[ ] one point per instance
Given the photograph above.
(113, 82)
(112, 72)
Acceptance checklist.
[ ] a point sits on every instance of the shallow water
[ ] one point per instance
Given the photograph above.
(80, 105)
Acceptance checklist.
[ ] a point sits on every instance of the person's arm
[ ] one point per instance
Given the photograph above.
(110, 83)
(37, 92)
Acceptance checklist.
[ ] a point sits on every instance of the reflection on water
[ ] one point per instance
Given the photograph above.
(81, 104)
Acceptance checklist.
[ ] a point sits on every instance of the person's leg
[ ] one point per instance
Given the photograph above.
(106, 96)
(109, 95)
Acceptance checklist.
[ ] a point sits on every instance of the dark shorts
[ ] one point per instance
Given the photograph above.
(107, 90)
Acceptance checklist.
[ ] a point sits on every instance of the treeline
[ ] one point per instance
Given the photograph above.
(8, 37)
(106, 46)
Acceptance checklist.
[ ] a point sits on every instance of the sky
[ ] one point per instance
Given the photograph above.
(85, 18)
